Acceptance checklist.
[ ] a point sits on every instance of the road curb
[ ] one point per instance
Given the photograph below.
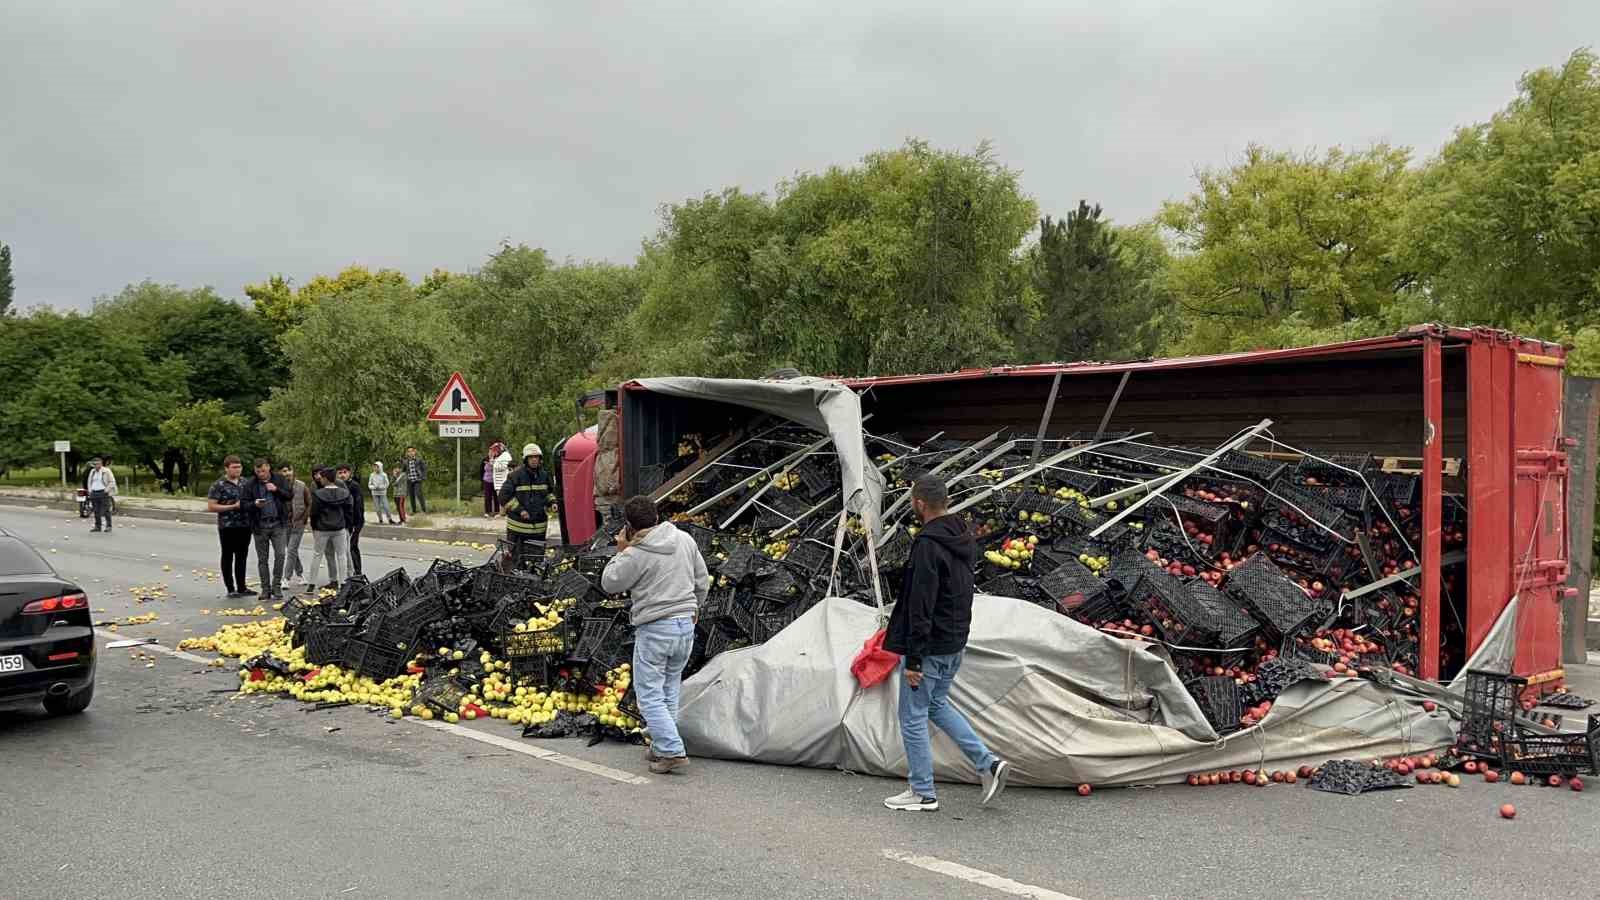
(389, 532)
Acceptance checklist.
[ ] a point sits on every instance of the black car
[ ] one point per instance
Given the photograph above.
(46, 635)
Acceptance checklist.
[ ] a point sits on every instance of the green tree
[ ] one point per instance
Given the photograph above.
(1507, 218)
(905, 262)
(204, 432)
(7, 285)
(285, 306)
(73, 377)
(1098, 294)
(361, 377)
(538, 331)
(1284, 244)
(229, 350)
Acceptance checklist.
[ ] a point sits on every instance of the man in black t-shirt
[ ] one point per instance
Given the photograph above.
(358, 515)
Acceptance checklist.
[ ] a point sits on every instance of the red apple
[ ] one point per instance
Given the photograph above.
(1507, 811)
(1084, 790)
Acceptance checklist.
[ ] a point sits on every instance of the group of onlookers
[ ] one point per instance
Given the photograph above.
(274, 510)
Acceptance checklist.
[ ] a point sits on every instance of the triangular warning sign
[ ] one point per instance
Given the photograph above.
(456, 403)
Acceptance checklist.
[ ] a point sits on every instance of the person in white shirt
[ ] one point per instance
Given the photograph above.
(500, 461)
(102, 487)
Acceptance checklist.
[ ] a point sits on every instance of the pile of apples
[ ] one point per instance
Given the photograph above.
(1013, 552)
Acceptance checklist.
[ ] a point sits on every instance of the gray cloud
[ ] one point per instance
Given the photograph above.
(211, 144)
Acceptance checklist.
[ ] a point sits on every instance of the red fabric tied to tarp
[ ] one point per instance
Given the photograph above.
(873, 664)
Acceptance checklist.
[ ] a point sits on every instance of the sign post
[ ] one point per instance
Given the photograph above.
(63, 448)
(458, 415)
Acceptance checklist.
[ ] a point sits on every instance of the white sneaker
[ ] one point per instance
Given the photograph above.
(911, 801)
(994, 780)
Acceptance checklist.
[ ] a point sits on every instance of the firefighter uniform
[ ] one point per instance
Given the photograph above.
(527, 491)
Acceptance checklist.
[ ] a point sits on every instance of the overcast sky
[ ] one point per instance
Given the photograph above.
(216, 143)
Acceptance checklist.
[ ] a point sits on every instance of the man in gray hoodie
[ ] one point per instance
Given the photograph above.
(667, 576)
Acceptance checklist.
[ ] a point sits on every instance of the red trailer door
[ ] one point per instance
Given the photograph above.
(1539, 531)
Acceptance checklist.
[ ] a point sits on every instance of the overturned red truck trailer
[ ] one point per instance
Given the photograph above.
(1478, 412)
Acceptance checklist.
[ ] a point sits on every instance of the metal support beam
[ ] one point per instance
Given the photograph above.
(1033, 469)
(1210, 458)
(1112, 406)
(788, 463)
(1044, 420)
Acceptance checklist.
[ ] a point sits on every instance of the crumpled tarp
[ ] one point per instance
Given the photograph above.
(818, 403)
(1064, 703)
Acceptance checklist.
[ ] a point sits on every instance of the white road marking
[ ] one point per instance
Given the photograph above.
(516, 746)
(109, 636)
(976, 876)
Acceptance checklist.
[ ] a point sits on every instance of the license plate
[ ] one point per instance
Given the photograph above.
(10, 664)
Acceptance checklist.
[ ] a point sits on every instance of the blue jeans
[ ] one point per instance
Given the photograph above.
(930, 702)
(660, 651)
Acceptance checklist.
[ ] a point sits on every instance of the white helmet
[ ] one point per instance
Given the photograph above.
(532, 450)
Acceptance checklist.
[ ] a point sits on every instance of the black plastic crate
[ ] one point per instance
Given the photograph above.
(1174, 611)
(1071, 584)
(608, 657)
(809, 558)
(325, 641)
(1490, 705)
(719, 602)
(1173, 544)
(1334, 467)
(1234, 627)
(1218, 699)
(1398, 489)
(1238, 462)
(895, 552)
(741, 615)
(1555, 754)
(1127, 569)
(554, 642)
(704, 538)
(442, 695)
(392, 585)
(783, 585)
(777, 512)
(375, 661)
(1270, 596)
(490, 587)
(817, 478)
(744, 561)
(571, 586)
(596, 632)
(592, 563)
(1009, 585)
(1329, 563)
(716, 642)
(767, 624)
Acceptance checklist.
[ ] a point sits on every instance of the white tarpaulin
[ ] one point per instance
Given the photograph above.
(826, 406)
(1064, 703)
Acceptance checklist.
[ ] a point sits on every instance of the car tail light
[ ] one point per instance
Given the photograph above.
(62, 603)
(63, 657)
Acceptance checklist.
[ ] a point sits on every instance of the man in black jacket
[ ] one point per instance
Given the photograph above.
(265, 499)
(358, 516)
(928, 627)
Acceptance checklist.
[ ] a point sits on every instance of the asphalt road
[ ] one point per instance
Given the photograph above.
(171, 785)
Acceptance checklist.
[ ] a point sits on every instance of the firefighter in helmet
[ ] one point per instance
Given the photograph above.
(525, 498)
